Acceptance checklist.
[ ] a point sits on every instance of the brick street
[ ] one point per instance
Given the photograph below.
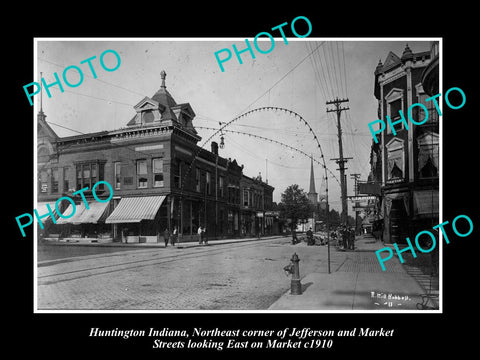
(235, 276)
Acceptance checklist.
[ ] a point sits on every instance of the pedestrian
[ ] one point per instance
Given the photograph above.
(174, 236)
(166, 236)
(342, 237)
(204, 236)
(310, 240)
(199, 232)
(352, 239)
(294, 237)
(346, 237)
(333, 235)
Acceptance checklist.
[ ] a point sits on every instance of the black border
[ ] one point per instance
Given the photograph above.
(60, 335)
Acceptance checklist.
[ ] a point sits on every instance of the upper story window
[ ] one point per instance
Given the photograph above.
(245, 197)
(118, 178)
(66, 184)
(157, 169)
(220, 186)
(428, 152)
(43, 154)
(177, 175)
(148, 116)
(395, 160)
(418, 113)
(142, 181)
(208, 182)
(197, 179)
(89, 173)
(395, 103)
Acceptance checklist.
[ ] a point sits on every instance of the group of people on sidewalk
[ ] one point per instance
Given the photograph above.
(202, 238)
(345, 237)
(310, 238)
(173, 238)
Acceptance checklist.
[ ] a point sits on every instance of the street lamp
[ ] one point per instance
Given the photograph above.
(222, 142)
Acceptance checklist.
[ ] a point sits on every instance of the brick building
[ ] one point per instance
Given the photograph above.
(161, 178)
(405, 165)
(255, 209)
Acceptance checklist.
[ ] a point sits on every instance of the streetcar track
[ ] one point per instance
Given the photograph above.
(146, 262)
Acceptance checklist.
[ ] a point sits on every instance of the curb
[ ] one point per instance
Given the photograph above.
(184, 245)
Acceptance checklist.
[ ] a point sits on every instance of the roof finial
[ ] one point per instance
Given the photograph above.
(407, 54)
(163, 75)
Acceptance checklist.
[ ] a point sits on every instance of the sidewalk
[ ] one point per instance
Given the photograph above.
(357, 284)
(179, 245)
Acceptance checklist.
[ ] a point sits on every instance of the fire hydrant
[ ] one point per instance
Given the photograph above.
(294, 269)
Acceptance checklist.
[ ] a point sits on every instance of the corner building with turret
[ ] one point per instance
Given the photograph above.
(406, 165)
(161, 179)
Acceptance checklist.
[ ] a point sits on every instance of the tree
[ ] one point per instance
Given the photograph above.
(295, 205)
(333, 217)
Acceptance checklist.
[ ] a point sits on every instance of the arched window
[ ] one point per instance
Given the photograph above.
(428, 152)
(395, 160)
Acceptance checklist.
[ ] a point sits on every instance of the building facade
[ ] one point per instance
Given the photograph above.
(405, 164)
(257, 217)
(161, 178)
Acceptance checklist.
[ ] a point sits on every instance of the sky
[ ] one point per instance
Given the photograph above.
(300, 76)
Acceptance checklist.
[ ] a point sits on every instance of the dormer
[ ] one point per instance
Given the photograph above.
(148, 111)
(185, 116)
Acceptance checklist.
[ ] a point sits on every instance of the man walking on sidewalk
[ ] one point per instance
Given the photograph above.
(166, 236)
(174, 236)
(199, 233)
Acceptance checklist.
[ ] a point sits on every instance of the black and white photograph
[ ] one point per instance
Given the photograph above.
(296, 181)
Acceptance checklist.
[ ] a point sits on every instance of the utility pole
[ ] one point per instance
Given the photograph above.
(341, 160)
(355, 177)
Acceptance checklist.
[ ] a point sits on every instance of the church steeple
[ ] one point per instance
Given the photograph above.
(41, 115)
(312, 193)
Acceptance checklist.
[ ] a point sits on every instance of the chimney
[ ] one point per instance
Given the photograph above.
(214, 148)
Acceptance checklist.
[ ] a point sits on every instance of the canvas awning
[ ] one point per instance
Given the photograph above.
(96, 212)
(79, 209)
(135, 209)
(42, 208)
(425, 202)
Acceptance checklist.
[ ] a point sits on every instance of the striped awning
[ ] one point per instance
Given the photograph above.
(96, 212)
(135, 209)
(42, 208)
(79, 209)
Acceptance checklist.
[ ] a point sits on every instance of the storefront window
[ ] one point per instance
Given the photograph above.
(54, 179)
(42, 181)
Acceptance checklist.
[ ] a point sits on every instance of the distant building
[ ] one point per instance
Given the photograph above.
(160, 177)
(257, 217)
(405, 166)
